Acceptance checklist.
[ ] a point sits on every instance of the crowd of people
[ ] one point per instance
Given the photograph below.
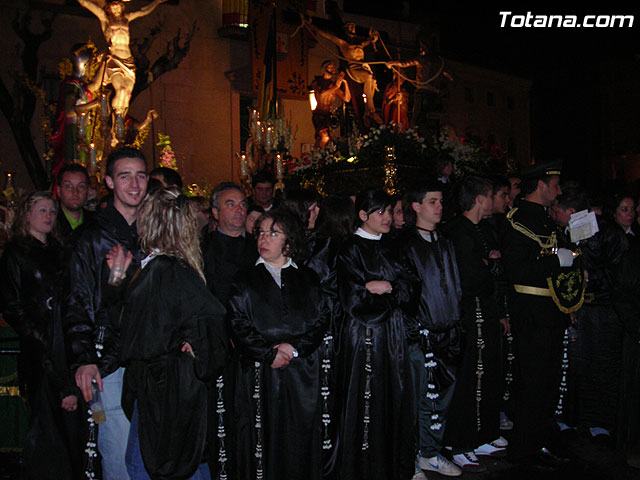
(355, 336)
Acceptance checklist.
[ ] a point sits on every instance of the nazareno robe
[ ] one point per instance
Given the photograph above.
(323, 255)
(224, 256)
(168, 304)
(278, 411)
(468, 428)
(376, 427)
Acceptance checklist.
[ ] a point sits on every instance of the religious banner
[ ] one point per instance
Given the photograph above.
(288, 45)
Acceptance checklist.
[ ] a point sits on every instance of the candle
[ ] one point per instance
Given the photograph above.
(258, 133)
(92, 150)
(279, 165)
(104, 107)
(243, 165)
(82, 124)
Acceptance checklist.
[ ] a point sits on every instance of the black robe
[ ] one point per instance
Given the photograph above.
(626, 300)
(167, 304)
(287, 400)
(224, 256)
(376, 428)
(468, 428)
(323, 255)
(29, 299)
(439, 308)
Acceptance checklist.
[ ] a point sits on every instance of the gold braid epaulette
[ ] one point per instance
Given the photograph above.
(545, 242)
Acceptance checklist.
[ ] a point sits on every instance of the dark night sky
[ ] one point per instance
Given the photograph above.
(563, 64)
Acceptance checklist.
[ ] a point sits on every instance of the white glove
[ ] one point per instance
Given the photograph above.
(565, 256)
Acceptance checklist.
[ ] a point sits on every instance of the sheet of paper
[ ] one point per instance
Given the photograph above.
(582, 225)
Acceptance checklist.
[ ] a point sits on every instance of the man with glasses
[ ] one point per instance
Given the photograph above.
(72, 191)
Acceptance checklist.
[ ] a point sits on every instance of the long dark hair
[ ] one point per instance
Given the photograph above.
(298, 203)
(336, 217)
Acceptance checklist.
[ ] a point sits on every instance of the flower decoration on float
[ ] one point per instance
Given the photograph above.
(167, 155)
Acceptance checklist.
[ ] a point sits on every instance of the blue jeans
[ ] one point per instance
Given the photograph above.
(135, 464)
(429, 441)
(113, 434)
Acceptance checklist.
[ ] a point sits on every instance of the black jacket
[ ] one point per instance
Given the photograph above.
(29, 292)
(441, 294)
(92, 306)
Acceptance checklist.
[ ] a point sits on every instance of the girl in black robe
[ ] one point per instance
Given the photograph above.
(325, 235)
(30, 271)
(173, 342)
(378, 291)
(278, 318)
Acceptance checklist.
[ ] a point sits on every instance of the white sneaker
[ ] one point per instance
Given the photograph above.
(469, 462)
(440, 465)
(500, 442)
(419, 475)
(505, 423)
(491, 450)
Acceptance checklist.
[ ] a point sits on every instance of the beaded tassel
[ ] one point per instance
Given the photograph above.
(258, 424)
(222, 452)
(100, 342)
(565, 368)
(324, 390)
(508, 377)
(480, 365)
(91, 446)
(367, 390)
(430, 365)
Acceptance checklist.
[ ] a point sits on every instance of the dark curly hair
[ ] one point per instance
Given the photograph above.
(294, 245)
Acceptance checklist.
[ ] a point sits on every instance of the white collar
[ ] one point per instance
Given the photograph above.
(289, 263)
(369, 236)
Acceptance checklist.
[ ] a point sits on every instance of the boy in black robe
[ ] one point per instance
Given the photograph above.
(434, 340)
(474, 415)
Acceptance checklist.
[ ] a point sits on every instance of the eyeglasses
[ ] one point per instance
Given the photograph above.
(269, 233)
(81, 187)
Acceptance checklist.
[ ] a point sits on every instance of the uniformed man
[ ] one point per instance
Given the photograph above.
(548, 284)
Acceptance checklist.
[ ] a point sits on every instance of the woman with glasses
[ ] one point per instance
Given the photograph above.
(278, 320)
(377, 288)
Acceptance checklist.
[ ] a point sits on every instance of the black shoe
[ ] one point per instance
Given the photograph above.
(603, 440)
(535, 463)
(554, 460)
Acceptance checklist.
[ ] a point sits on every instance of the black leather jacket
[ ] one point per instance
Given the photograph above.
(29, 291)
(92, 314)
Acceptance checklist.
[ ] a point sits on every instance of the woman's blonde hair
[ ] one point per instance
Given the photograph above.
(167, 221)
(20, 227)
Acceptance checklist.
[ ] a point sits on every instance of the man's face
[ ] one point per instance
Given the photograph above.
(515, 189)
(501, 200)
(73, 191)
(116, 9)
(330, 68)
(549, 192)
(232, 211)
(128, 182)
(263, 194)
(429, 211)
(560, 215)
(486, 203)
